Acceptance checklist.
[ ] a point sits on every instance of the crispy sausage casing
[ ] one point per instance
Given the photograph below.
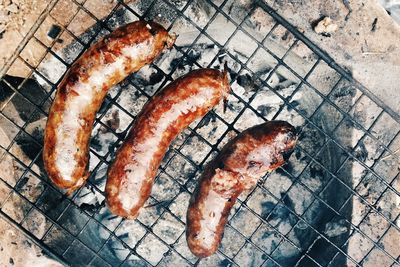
(244, 160)
(131, 176)
(82, 91)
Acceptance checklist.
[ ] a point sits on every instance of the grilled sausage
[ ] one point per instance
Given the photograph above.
(131, 175)
(82, 91)
(245, 159)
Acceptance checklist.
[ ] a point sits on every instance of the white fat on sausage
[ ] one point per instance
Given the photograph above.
(211, 210)
(129, 194)
(67, 132)
(260, 160)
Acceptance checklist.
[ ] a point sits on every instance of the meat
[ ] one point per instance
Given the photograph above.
(239, 165)
(82, 91)
(131, 175)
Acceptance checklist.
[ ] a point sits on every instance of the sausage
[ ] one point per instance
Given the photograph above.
(82, 91)
(248, 157)
(131, 175)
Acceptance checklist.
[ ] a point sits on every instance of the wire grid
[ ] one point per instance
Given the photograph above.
(73, 235)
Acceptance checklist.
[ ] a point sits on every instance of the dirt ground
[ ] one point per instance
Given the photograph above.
(16, 18)
(11, 244)
(366, 41)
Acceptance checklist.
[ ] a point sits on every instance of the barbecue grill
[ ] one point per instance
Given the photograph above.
(333, 204)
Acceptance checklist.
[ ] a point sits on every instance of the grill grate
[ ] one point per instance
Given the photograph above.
(287, 220)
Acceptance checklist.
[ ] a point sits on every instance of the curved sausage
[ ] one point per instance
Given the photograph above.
(82, 91)
(131, 175)
(239, 165)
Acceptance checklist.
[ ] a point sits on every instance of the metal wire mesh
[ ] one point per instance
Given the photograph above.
(266, 227)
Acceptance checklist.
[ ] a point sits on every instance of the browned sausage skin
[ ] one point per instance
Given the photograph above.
(83, 89)
(239, 165)
(131, 176)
